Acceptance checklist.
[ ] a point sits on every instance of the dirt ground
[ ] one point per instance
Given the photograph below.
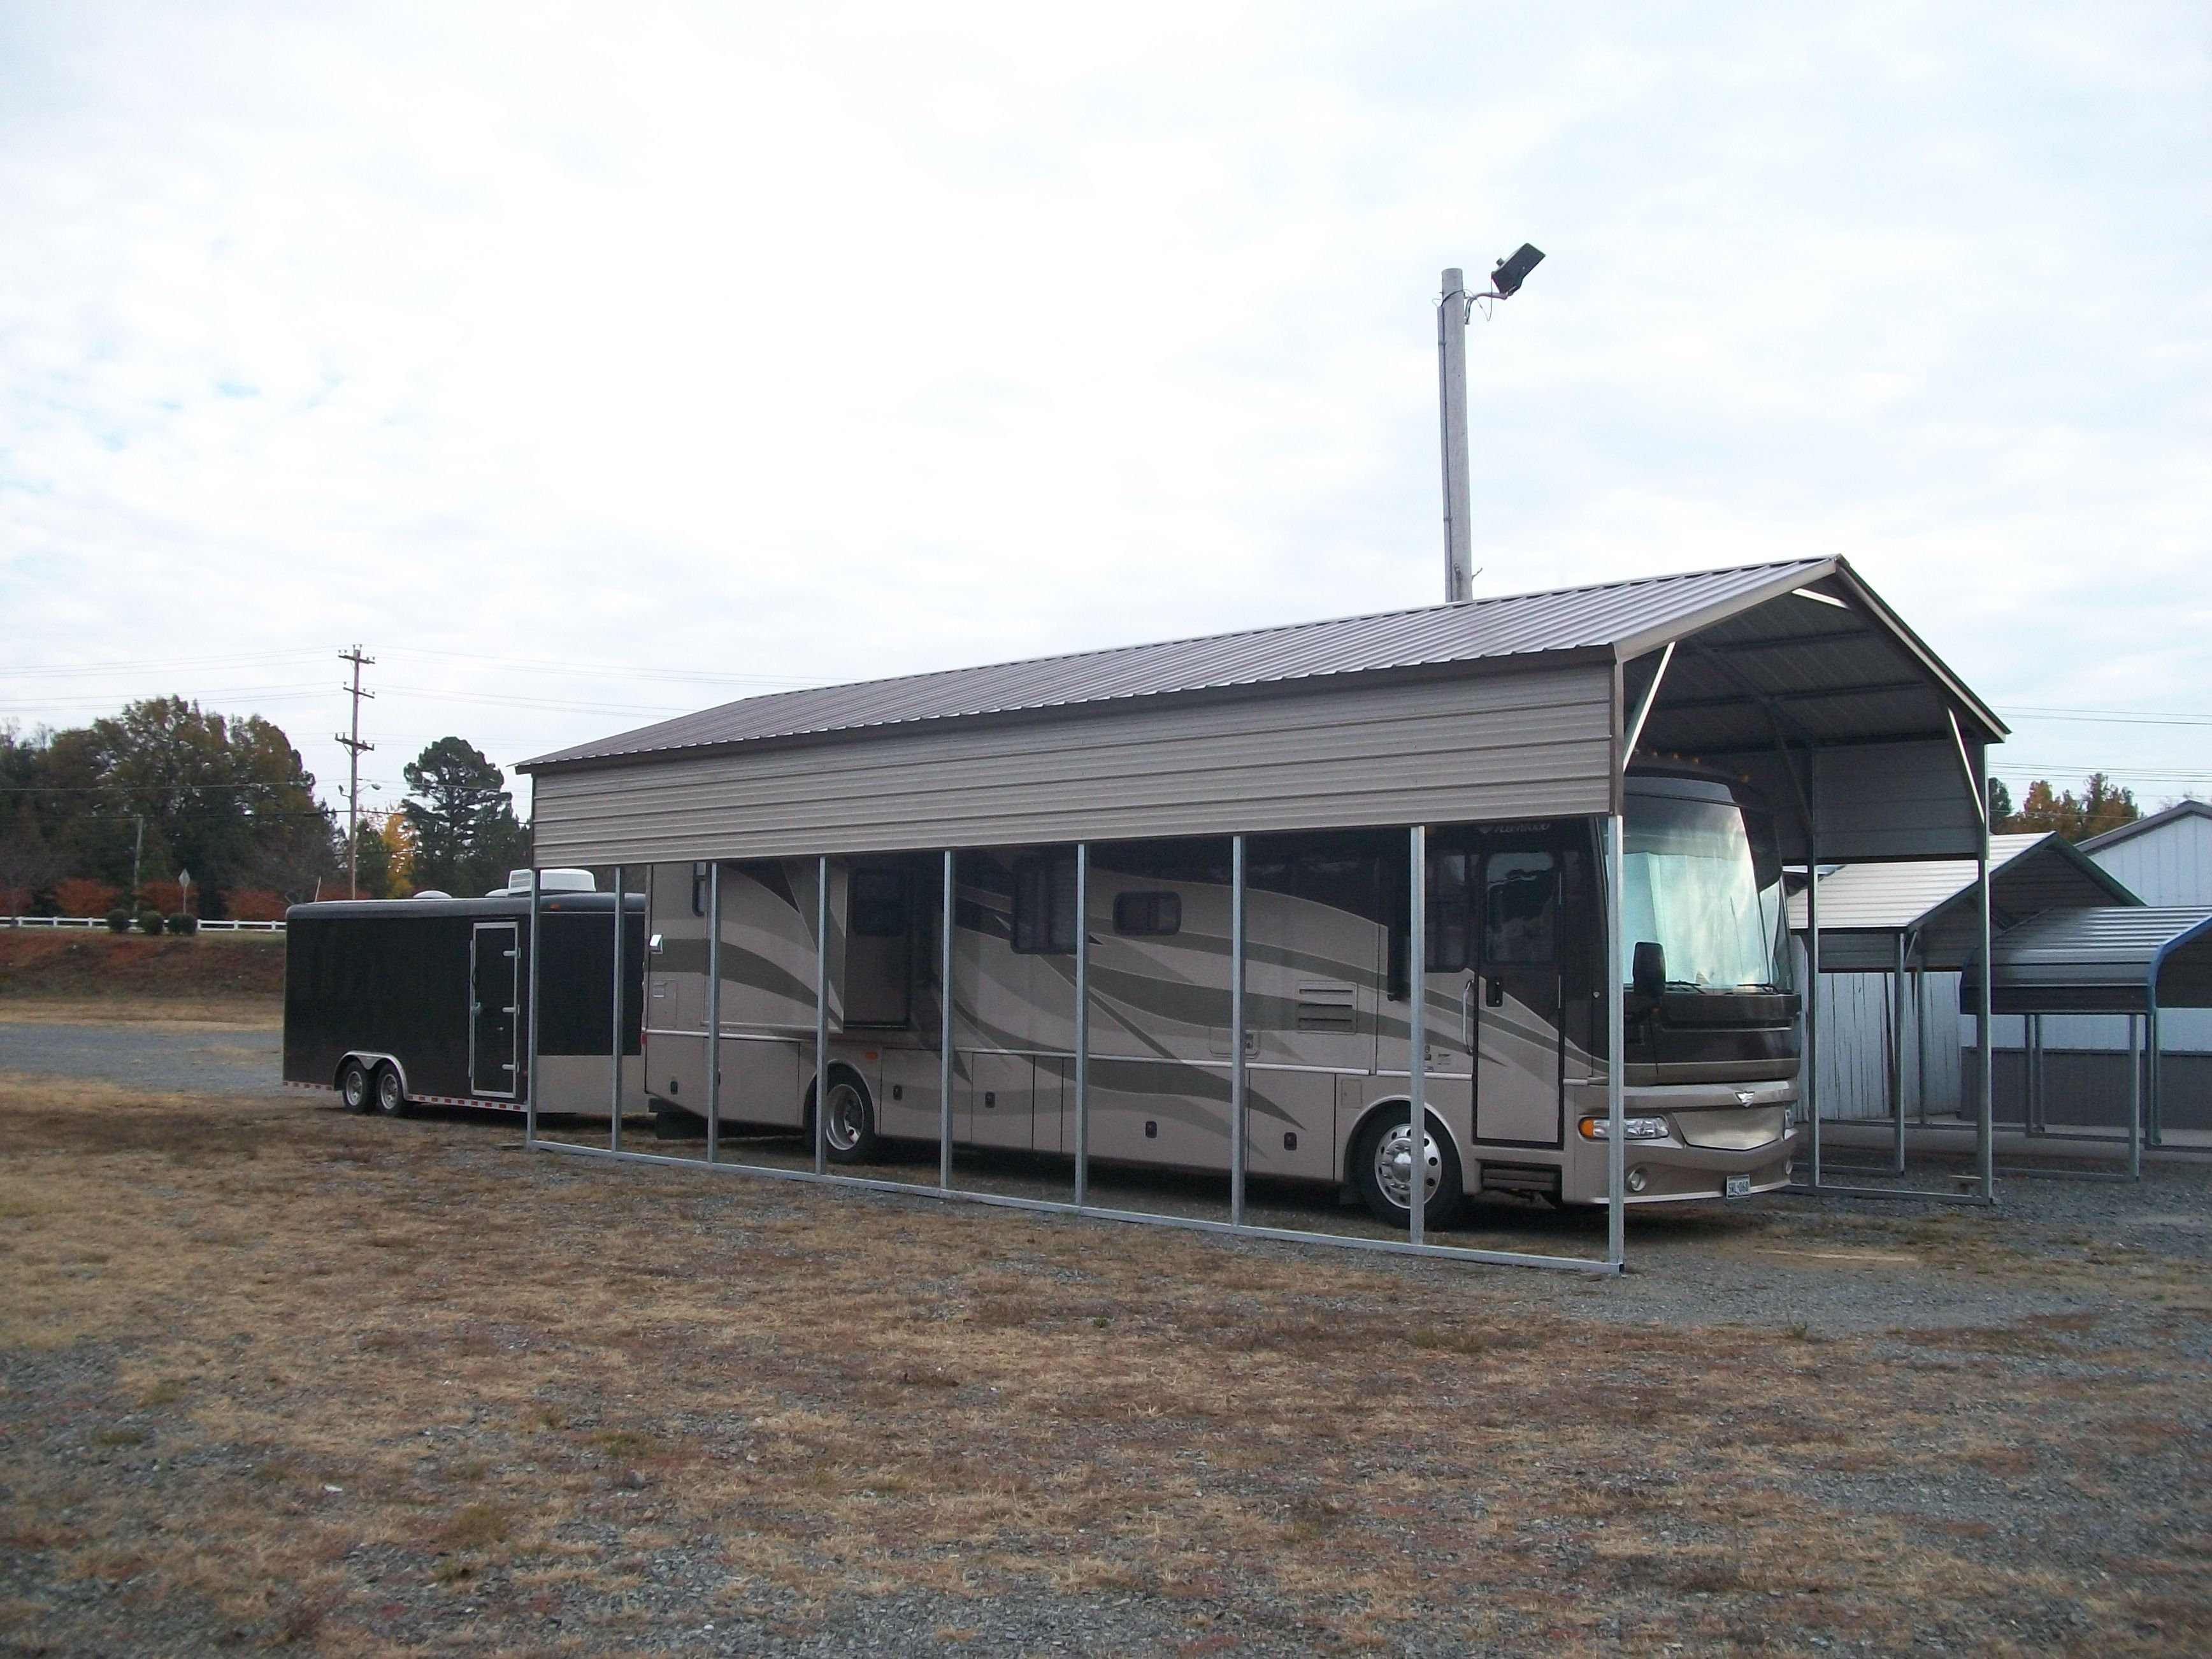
(278, 1377)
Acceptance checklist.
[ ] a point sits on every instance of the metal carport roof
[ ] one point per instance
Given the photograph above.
(2118, 961)
(1840, 663)
(1865, 907)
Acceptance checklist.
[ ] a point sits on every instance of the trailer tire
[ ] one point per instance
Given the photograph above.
(390, 1092)
(852, 1130)
(353, 1085)
(1385, 1183)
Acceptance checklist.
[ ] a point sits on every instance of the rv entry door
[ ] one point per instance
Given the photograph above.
(1514, 1006)
(494, 979)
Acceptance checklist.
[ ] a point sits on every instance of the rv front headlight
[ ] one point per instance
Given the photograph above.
(1636, 1128)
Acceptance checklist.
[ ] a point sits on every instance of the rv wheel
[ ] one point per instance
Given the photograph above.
(1382, 1171)
(391, 1092)
(353, 1086)
(852, 1126)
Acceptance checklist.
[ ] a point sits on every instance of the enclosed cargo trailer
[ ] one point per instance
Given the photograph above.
(427, 1000)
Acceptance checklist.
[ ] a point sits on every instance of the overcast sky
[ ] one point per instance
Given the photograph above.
(588, 365)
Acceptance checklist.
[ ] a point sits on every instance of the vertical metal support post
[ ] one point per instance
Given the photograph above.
(822, 1015)
(1239, 1129)
(2155, 1067)
(1417, 1034)
(1920, 1040)
(945, 1032)
(1897, 1058)
(2135, 1100)
(1616, 1046)
(2032, 1043)
(530, 1058)
(614, 1083)
(1812, 1070)
(714, 1011)
(1985, 1127)
(1081, 1024)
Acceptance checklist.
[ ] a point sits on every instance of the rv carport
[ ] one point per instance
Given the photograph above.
(1794, 676)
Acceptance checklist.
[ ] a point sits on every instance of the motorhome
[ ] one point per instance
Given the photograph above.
(1515, 951)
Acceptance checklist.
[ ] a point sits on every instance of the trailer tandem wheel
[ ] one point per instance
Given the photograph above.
(353, 1085)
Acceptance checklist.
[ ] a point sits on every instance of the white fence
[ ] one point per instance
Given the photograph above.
(206, 927)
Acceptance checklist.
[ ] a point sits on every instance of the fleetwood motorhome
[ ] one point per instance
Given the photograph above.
(1514, 956)
(399, 1001)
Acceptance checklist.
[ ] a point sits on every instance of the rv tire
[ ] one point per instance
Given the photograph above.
(388, 1091)
(353, 1085)
(1374, 1154)
(852, 1130)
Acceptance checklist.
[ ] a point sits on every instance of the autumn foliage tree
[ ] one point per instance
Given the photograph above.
(2100, 806)
(166, 786)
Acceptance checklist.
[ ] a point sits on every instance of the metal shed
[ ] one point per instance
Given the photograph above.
(1896, 920)
(1794, 676)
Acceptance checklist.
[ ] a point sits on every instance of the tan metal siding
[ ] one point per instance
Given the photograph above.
(1495, 746)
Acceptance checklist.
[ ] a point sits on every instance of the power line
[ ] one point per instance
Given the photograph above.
(2110, 716)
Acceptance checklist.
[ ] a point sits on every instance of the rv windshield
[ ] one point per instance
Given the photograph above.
(1693, 886)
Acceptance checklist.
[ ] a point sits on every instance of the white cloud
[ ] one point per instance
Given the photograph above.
(820, 343)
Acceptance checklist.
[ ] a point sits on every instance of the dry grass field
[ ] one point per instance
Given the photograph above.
(279, 1377)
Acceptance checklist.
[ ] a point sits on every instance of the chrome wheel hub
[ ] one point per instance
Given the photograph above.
(1394, 1167)
(848, 1116)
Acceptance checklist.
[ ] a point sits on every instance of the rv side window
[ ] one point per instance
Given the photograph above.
(1148, 914)
(1521, 909)
(699, 893)
(878, 903)
(1044, 906)
(1447, 912)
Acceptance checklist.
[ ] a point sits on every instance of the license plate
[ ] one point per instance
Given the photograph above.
(1738, 1186)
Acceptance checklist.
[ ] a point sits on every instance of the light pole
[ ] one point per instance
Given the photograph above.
(1452, 312)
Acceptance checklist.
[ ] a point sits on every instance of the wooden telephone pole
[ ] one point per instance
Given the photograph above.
(354, 749)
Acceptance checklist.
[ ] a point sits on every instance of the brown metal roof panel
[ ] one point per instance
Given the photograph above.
(1521, 624)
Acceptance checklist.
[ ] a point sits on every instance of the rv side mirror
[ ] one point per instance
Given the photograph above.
(1648, 976)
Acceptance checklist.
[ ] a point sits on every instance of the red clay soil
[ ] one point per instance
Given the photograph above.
(45, 963)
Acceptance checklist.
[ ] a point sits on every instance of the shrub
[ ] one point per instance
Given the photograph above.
(118, 921)
(184, 922)
(256, 904)
(149, 922)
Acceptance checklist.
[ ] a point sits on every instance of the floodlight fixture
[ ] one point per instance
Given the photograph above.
(1453, 310)
(1505, 281)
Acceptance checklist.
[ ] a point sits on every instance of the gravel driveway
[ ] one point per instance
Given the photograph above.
(185, 1058)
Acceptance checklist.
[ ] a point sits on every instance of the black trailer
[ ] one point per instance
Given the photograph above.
(428, 999)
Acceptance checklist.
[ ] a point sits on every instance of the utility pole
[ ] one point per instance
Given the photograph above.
(354, 749)
(1452, 312)
(1452, 375)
